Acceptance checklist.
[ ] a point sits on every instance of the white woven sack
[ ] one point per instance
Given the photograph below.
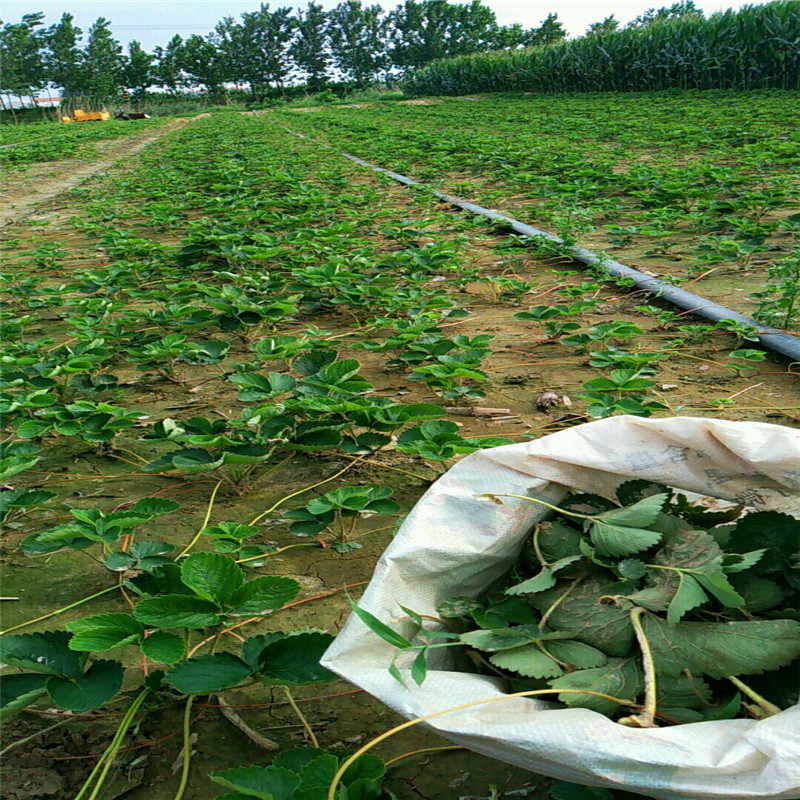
(455, 544)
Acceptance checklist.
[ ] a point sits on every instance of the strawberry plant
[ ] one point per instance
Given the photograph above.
(16, 502)
(329, 512)
(745, 360)
(232, 450)
(205, 593)
(780, 300)
(619, 393)
(163, 355)
(305, 774)
(453, 377)
(439, 440)
(229, 537)
(69, 679)
(94, 423)
(92, 526)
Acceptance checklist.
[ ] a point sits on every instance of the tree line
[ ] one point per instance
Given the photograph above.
(262, 51)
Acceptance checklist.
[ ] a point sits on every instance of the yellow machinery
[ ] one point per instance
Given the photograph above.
(79, 115)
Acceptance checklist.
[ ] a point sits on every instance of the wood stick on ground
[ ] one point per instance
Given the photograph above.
(477, 411)
(238, 722)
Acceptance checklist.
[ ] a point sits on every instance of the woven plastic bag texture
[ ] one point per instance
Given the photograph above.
(453, 543)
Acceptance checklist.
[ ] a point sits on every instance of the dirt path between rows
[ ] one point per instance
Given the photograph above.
(43, 181)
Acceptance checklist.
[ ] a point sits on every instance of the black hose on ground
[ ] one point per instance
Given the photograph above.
(770, 338)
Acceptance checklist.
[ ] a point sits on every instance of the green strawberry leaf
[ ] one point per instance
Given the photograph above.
(177, 611)
(759, 594)
(682, 691)
(613, 539)
(266, 593)
(507, 638)
(619, 677)
(166, 648)
(20, 691)
(739, 562)
(688, 595)
(778, 534)
(213, 577)
(527, 660)
(632, 568)
(719, 649)
(577, 654)
(265, 783)
(208, 673)
(602, 625)
(46, 652)
(294, 659)
(103, 632)
(639, 515)
(545, 579)
(716, 583)
(99, 684)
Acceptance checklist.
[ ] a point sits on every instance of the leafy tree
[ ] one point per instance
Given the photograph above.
(20, 51)
(233, 40)
(256, 50)
(680, 10)
(167, 71)
(102, 61)
(137, 73)
(607, 25)
(423, 31)
(549, 32)
(202, 61)
(63, 56)
(358, 40)
(310, 47)
(274, 31)
(508, 36)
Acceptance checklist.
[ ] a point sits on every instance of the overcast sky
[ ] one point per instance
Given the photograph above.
(154, 22)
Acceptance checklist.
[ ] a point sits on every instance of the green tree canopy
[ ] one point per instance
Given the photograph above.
(62, 55)
(137, 72)
(423, 31)
(358, 40)
(21, 55)
(102, 62)
(167, 70)
(607, 25)
(202, 62)
(549, 32)
(680, 10)
(309, 50)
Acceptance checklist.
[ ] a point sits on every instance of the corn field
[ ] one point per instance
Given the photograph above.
(757, 47)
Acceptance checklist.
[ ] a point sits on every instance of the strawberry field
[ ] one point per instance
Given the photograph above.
(43, 141)
(234, 361)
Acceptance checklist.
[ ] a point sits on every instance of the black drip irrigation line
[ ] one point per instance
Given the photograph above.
(770, 338)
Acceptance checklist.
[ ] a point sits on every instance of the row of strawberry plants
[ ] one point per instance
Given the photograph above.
(701, 182)
(48, 141)
(261, 248)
